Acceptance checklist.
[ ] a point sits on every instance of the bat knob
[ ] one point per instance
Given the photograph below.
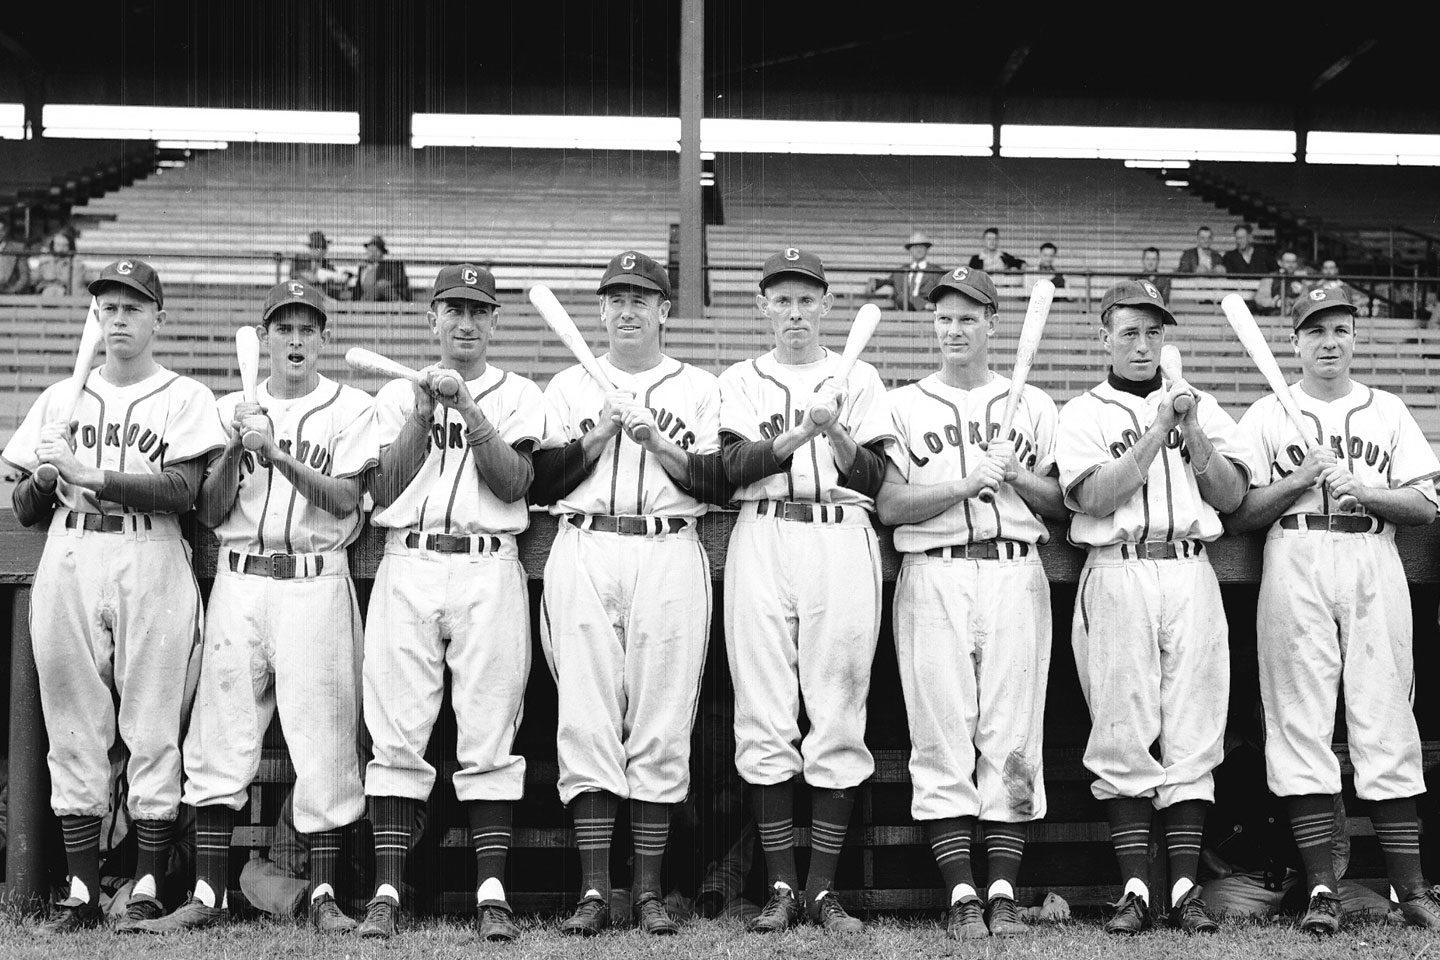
(47, 473)
(252, 441)
(640, 434)
(447, 385)
(1183, 404)
(821, 416)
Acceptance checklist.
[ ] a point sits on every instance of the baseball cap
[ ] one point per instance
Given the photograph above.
(1321, 298)
(918, 237)
(634, 269)
(974, 283)
(793, 260)
(130, 272)
(465, 281)
(293, 291)
(1135, 293)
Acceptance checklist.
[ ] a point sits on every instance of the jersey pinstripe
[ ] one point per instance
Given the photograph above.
(140, 428)
(626, 479)
(1103, 423)
(939, 429)
(447, 494)
(327, 429)
(763, 398)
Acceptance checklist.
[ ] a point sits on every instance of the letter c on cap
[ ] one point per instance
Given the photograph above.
(124, 267)
(627, 262)
(297, 289)
(792, 253)
(1317, 294)
(1150, 289)
(469, 276)
(961, 273)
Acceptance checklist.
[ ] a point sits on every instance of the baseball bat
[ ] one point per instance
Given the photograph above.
(68, 396)
(559, 322)
(1253, 340)
(1174, 370)
(1030, 332)
(247, 357)
(867, 318)
(368, 361)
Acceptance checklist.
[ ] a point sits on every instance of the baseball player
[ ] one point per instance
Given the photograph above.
(972, 602)
(1149, 635)
(116, 616)
(626, 614)
(802, 580)
(284, 515)
(450, 491)
(1334, 607)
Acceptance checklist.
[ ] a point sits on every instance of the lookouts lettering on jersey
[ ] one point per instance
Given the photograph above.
(939, 429)
(1103, 423)
(627, 479)
(141, 428)
(328, 431)
(1372, 433)
(762, 398)
(448, 494)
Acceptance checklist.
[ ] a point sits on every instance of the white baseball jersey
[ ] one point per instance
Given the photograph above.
(939, 429)
(327, 430)
(1372, 433)
(446, 495)
(764, 397)
(1099, 426)
(141, 428)
(626, 480)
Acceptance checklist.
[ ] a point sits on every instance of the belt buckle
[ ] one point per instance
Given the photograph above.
(282, 566)
(632, 526)
(802, 512)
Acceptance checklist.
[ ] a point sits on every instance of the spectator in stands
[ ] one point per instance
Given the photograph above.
(378, 278)
(14, 262)
(913, 281)
(1247, 258)
(1275, 295)
(1201, 258)
(315, 268)
(59, 272)
(1046, 268)
(1150, 270)
(991, 258)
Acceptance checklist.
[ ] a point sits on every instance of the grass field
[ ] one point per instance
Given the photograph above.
(883, 940)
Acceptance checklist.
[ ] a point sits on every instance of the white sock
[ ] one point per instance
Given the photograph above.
(321, 891)
(385, 890)
(491, 889)
(592, 892)
(1182, 887)
(1137, 886)
(144, 887)
(962, 891)
(821, 895)
(204, 894)
(1321, 888)
(1000, 888)
(78, 890)
(1394, 897)
(782, 885)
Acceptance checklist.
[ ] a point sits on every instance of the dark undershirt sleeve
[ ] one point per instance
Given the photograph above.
(868, 471)
(708, 482)
(558, 470)
(172, 490)
(749, 461)
(33, 504)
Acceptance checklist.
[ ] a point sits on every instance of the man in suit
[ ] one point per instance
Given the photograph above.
(1247, 258)
(1201, 258)
(913, 281)
(1150, 270)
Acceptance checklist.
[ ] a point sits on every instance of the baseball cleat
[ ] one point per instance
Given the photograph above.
(1322, 916)
(780, 912)
(831, 914)
(965, 920)
(190, 915)
(1423, 910)
(653, 918)
(71, 915)
(137, 911)
(1131, 916)
(1003, 918)
(380, 923)
(1191, 914)
(327, 917)
(495, 921)
(592, 915)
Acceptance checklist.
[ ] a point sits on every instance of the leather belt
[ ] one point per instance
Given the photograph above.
(801, 512)
(1162, 549)
(985, 550)
(446, 543)
(628, 526)
(99, 522)
(277, 566)
(1332, 522)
